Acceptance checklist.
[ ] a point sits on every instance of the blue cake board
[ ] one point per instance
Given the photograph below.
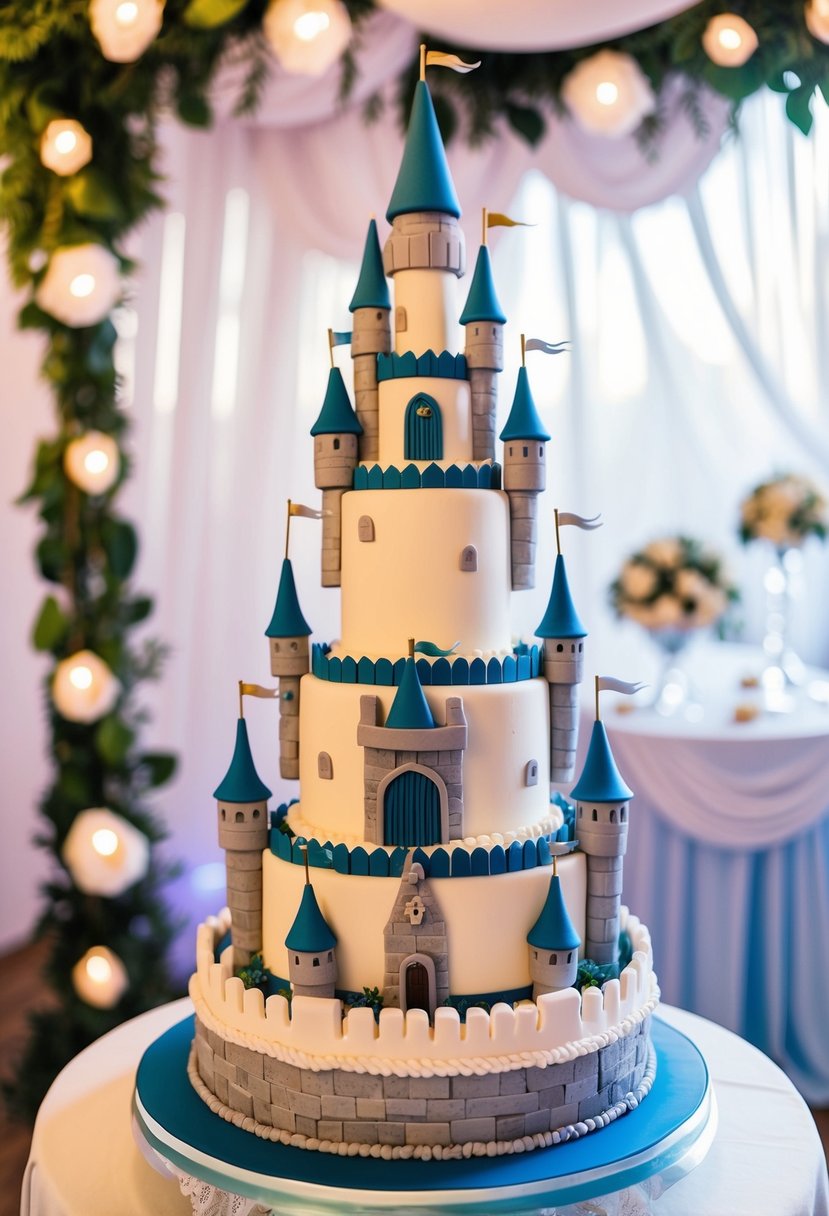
(670, 1131)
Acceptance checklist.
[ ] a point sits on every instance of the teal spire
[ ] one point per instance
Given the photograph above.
(336, 416)
(241, 782)
(287, 620)
(600, 779)
(372, 290)
(424, 182)
(554, 930)
(561, 619)
(523, 421)
(310, 932)
(410, 709)
(482, 302)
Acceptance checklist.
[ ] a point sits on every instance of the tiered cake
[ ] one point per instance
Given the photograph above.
(425, 907)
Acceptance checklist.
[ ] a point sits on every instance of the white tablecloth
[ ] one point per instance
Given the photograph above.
(766, 1159)
(728, 861)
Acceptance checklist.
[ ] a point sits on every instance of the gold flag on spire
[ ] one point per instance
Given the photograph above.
(442, 59)
(497, 219)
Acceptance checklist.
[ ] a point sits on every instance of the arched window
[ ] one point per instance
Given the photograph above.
(595, 815)
(622, 815)
(553, 960)
(559, 647)
(570, 956)
(240, 816)
(336, 445)
(316, 962)
(613, 815)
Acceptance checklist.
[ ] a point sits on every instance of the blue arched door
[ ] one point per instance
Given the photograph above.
(411, 810)
(424, 429)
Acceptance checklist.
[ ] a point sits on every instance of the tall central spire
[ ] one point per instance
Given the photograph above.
(424, 182)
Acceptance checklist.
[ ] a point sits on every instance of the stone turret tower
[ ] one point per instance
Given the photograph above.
(525, 476)
(602, 802)
(312, 958)
(484, 320)
(336, 433)
(288, 632)
(554, 944)
(564, 636)
(242, 799)
(370, 336)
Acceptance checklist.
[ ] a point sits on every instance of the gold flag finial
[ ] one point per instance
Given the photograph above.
(411, 648)
(288, 529)
(331, 346)
(485, 227)
(523, 350)
(304, 848)
(423, 61)
(598, 715)
(555, 866)
(241, 701)
(558, 539)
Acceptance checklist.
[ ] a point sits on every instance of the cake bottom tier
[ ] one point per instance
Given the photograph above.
(351, 1113)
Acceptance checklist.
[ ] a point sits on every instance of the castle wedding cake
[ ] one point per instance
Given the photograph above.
(448, 969)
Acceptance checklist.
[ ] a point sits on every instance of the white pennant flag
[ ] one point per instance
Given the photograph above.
(547, 348)
(611, 684)
(298, 508)
(441, 59)
(579, 521)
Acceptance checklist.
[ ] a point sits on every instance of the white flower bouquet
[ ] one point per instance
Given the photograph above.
(674, 583)
(785, 511)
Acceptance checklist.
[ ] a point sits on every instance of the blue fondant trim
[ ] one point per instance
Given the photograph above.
(443, 673)
(443, 366)
(433, 476)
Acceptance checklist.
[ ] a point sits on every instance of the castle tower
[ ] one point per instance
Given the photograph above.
(525, 475)
(335, 433)
(554, 944)
(370, 336)
(564, 636)
(242, 799)
(312, 958)
(425, 237)
(602, 803)
(416, 947)
(484, 321)
(288, 632)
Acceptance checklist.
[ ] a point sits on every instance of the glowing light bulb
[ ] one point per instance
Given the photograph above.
(311, 25)
(100, 978)
(65, 142)
(125, 28)
(307, 36)
(80, 677)
(92, 462)
(105, 841)
(607, 93)
(98, 968)
(126, 13)
(83, 687)
(65, 146)
(95, 461)
(729, 40)
(82, 286)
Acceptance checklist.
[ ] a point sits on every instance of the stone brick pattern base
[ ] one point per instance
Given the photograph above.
(334, 1107)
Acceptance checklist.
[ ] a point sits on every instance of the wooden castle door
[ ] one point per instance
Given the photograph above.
(411, 810)
(417, 987)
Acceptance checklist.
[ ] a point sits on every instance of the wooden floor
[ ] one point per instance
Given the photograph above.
(19, 992)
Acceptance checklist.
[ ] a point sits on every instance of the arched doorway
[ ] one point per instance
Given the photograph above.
(423, 439)
(411, 810)
(417, 983)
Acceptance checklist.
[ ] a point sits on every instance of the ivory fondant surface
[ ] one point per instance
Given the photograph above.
(508, 725)
(453, 398)
(413, 567)
(430, 301)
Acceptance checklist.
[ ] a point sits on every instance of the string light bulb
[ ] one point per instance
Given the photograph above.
(307, 36)
(65, 146)
(92, 462)
(125, 28)
(816, 14)
(81, 285)
(84, 688)
(729, 40)
(608, 94)
(100, 978)
(104, 853)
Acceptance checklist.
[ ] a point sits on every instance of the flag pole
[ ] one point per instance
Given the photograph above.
(423, 61)
(331, 346)
(558, 540)
(241, 701)
(304, 848)
(555, 867)
(523, 350)
(411, 648)
(288, 529)
(483, 233)
(598, 715)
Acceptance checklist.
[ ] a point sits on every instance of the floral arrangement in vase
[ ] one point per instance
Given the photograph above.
(785, 510)
(674, 584)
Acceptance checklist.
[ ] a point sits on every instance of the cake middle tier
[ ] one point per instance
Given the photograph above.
(432, 564)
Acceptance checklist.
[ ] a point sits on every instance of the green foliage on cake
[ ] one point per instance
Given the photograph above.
(255, 974)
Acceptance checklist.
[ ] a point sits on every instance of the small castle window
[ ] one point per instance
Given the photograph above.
(510, 449)
(330, 957)
(622, 815)
(477, 331)
(316, 962)
(365, 529)
(540, 450)
(469, 559)
(400, 322)
(535, 954)
(296, 959)
(595, 814)
(325, 767)
(493, 331)
(256, 813)
(559, 647)
(581, 647)
(553, 960)
(581, 812)
(294, 645)
(531, 773)
(570, 956)
(336, 445)
(526, 450)
(276, 647)
(224, 814)
(572, 648)
(379, 315)
(240, 816)
(613, 815)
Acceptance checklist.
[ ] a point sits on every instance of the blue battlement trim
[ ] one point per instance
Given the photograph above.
(455, 477)
(443, 673)
(442, 863)
(444, 366)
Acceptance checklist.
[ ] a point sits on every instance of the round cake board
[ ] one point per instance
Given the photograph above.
(668, 1134)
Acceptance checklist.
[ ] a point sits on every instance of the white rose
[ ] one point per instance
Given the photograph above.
(638, 580)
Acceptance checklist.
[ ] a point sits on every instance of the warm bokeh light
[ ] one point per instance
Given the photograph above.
(83, 687)
(92, 462)
(105, 841)
(729, 40)
(65, 146)
(307, 36)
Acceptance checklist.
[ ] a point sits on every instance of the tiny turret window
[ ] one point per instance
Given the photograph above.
(469, 559)
(330, 957)
(535, 954)
(493, 331)
(595, 814)
(622, 815)
(570, 956)
(336, 445)
(276, 647)
(240, 816)
(379, 314)
(540, 450)
(581, 647)
(581, 812)
(224, 813)
(477, 331)
(510, 449)
(531, 773)
(553, 960)
(316, 962)
(256, 813)
(559, 647)
(526, 450)
(296, 959)
(572, 648)
(613, 815)
(294, 645)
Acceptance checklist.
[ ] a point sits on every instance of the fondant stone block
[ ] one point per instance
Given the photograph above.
(279, 1094)
(563, 1115)
(317, 1082)
(595, 1104)
(251, 1061)
(262, 1111)
(304, 1126)
(555, 1074)
(576, 1090)
(465, 1130)
(259, 1088)
(475, 1087)
(509, 1104)
(510, 1127)
(220, 1087)
(223, 1068)
(308, 1105)
(282, 1073)
(239, 1099)
(360, 1133)
(428, 1087)
(391, 1133)
(406, 1108)
(371, 1108)
(330, 1129)
(398, 1087)
(554, 1096)
(358, 1085)
(586, 1066)
(537, 1121)
(428, 1133)
(335, 1106)
(514, 1082)
(439, 1109)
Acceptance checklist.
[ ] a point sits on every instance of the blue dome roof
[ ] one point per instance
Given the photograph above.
(600, 779)
(523, 421)
(310, 932)
(372, 290)
(424, 182)
(410, 709)
(561, 619)
(287, 620)
(241, 782)
(336, 416)
(554, 930)
(482, 302)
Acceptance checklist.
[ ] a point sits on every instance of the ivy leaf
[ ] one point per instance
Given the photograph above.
(133, 611)
(51, 558)
(92, 195)
(120, 545)
(113, 740)
(159, 766)
(526, 122)
(194, 110)
(798, 109)
(209, 14)
(42, 107)
(51, 625)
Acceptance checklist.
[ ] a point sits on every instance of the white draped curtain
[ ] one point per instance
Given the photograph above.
(698, 365)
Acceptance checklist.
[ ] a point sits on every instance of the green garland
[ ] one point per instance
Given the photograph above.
(50, 67)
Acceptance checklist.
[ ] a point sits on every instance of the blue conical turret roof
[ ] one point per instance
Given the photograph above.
(310, 931)
(410, 709)
(482, 302)
(372, 290)
(523, 421)
(424, 182)
(561, 619)
(337, 416)
(241, 782)
(287, 620)
(554, 930)
(600, 779)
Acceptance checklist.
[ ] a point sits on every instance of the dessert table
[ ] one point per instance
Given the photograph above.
(728, 861)
(766, 1155)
